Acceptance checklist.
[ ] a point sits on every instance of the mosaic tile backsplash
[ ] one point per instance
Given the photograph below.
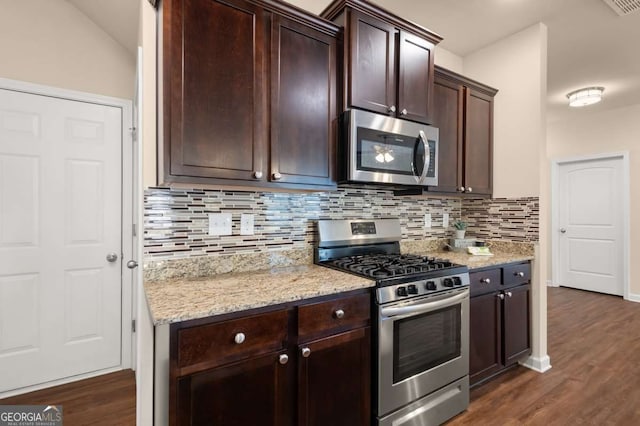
(176, 220)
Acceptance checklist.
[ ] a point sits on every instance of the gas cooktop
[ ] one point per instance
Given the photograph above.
(381, 266)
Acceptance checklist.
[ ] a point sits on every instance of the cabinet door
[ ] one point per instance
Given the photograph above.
(372, 83)
(334, 380)
(415, 78)
(517, 326)
(215, 89)
(251, 392)
(484, 336)
(448, 117)
(303, 104)
(478, 151)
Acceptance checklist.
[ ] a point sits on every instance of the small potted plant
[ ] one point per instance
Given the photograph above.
(460, 228)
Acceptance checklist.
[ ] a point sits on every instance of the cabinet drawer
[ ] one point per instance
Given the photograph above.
(516, 274)
(231, 340)
(485, 281)
(324, 318)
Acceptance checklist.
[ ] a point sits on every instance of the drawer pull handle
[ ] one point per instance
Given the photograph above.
(239, 338)
(509, 294)
(339, 314)
(485, 280)
(284, 358)
(519, 274)
(500, 296)
(306, 352)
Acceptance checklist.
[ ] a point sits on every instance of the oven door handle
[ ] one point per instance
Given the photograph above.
(424, 307)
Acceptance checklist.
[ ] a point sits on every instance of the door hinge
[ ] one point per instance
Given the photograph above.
(133, 326)
(134, 133)
(135, 230)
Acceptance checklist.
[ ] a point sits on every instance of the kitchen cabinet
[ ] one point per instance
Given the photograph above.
(248, 95)
(463, 112)
(389, 62)
(500, 324)
(305, 363)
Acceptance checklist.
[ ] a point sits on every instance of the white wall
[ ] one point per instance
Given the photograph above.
(604, 132)
(51, 42)
(448, 60)
(517, 67)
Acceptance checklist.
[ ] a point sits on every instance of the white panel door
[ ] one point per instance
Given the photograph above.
(60, 215)
(591, 225)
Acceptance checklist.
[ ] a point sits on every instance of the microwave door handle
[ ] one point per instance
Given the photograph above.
(427, 156)
(423, 307)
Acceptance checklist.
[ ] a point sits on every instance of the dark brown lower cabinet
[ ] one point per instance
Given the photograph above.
(250, 392)
(500, 320)
(334, 380)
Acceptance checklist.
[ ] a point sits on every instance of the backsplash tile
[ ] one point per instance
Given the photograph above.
(176, 220)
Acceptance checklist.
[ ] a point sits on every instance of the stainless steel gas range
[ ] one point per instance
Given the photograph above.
(421, 337)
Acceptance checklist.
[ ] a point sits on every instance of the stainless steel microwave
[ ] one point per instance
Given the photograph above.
(375, 148)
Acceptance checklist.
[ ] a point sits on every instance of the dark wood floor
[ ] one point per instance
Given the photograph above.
(594, 345)
(104, 400)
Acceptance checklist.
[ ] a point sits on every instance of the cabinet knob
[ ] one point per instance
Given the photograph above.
(461, 189)
(339, 314)
(239, 338)
(500, 296)
(306, 352)
(404, 111)
(519, 274)
(284, 358)
(257, 174)
(509, 294)
(276, 176)
(485, 280)
(392, 108)
(469, 189)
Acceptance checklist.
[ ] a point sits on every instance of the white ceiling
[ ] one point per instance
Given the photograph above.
(589, 44)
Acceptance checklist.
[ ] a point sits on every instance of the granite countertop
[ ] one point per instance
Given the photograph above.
(181, 299)
(477, 262)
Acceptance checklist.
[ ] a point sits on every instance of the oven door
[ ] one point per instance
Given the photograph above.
(423, 346)
(388, 150)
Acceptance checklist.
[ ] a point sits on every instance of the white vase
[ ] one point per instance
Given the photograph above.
(460, 234)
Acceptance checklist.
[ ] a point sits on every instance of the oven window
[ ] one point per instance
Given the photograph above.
(382, 152)
(425, 341)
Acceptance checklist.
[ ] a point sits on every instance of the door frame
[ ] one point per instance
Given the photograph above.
(128, 193)
(555, 212)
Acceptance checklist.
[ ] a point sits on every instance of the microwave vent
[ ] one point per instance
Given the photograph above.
(623, 7)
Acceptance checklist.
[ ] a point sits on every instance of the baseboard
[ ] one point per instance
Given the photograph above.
(552, 284)
(537, 364)
(633, 297)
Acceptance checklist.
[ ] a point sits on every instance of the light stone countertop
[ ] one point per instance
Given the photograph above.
(180, 299)
(477, 262)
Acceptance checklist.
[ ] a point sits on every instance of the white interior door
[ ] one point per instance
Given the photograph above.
(60, 216)
(590, 223)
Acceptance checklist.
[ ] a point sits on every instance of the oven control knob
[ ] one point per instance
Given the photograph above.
(431, 286)
(412, 289)
(457, 281)
(448, 282)
(401, 291)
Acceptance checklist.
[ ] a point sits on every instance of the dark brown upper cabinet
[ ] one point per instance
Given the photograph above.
(248, 95)
(389, 62)
(463, 112)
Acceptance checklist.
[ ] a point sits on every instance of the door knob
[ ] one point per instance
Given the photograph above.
(306, 352)
(562, 230)
(276, 176)
(283, 359)
(392, 108)
(112, 257)
(461, 189)
(339, 314)
(469, 189)
(404, 111)
(132, 264)
(500, 296)
(239, 338)
(257, 174)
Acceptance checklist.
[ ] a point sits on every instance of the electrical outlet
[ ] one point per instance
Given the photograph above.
(445, 220)
(246, 224)
(427, 220)
(219, 223)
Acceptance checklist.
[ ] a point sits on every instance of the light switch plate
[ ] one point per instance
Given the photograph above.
(445, 220)
(246, 224)
(219, 223)
(427, 220)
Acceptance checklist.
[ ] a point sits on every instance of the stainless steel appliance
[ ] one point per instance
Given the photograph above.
(381, 149)
(422, 330)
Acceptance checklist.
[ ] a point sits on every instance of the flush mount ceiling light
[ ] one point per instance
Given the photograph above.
(586, 96)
